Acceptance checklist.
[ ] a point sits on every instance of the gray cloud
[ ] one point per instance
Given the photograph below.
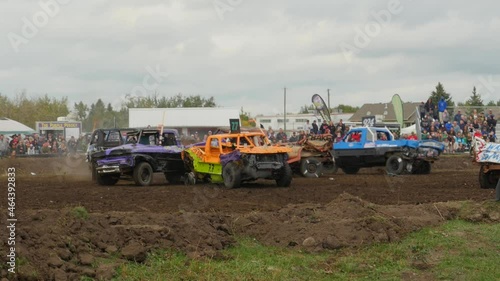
(93, 49)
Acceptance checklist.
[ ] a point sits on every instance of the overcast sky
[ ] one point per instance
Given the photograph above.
(244, 52)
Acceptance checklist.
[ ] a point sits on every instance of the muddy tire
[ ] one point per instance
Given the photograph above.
(395, 165)
(173, 178)
(106, 179)
(143, 174)
(421, 168)
(231, 175)
(286, 176)
(311, 168)
(489, 179)
(350, 170)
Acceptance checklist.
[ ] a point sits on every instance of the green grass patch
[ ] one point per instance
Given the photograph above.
(80, 212)
(455, 250)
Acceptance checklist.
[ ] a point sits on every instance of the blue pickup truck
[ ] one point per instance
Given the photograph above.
(372, 146)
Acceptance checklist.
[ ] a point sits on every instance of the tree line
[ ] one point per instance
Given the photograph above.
(99, 115)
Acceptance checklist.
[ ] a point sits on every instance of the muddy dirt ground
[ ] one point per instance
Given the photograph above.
(68, 226)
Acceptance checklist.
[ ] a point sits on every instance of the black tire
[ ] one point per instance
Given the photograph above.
(425, 168)
(285, 179)
(173, 178)
(350, 170)
(143, 174)
(311, 168)
(107, 179)
(94, 172)
(395, 165)
(489, 179)
(421, 168)
(231, 175)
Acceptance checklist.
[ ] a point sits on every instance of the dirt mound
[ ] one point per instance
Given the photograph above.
(348, 221)
(70, 227)
(71, 243)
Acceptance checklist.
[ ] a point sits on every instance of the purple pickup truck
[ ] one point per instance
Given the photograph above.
(145, 152)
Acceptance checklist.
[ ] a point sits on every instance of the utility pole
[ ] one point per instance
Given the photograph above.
(328, 91)
(284, 110)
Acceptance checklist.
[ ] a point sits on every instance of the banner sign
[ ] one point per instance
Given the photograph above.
(57, 125)
(487, 151)
(321, 107)
(368, 121)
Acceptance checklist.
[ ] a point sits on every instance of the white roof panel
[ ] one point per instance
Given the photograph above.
(182, 117)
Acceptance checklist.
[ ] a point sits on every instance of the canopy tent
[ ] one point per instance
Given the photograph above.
(408, 130)
(10, 127)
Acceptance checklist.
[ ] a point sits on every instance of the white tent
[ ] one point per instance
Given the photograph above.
(408, 130)
(9, 127)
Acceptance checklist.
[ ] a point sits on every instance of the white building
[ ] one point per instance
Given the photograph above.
(296, 122)
(186, 120)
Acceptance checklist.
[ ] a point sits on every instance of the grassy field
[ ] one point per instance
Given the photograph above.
(457, 250)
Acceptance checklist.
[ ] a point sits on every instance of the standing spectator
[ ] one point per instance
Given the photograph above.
(294, 137)
(413, 136)
(307, 127)
(281, 136)
(4, 145)
(323, 127)
(491, 121)
(429, 106)
(338, 136)
(458, 117)
(446, 116)
(315, 128)
(442, 105)
(341, 127)
(331, 126)
(21, 148)
(271, 136)
(421, 109)
(72, 145)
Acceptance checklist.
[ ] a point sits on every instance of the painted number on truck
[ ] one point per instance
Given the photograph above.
(211, 168)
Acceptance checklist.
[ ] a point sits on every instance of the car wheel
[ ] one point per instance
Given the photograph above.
(231, 175)
(143, 174)
(489, 179)
(395, 164)
(286, 176)
(425, 168)
(107, 179)
(173, 178)
(311, 168)
(350, 170)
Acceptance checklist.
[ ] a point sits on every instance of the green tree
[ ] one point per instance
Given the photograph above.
(475, 102)
(347, 108)
(81, 110)
(307, 109)
(246, 120)
(491, 103)
(439, 93)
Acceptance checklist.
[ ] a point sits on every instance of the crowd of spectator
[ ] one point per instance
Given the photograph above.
(456, 132)
(17, 145)
(323, 130)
